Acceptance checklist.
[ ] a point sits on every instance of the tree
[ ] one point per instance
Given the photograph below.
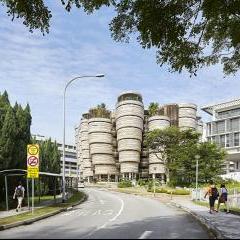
(187, 34)
(7, 139)
(211, 159)
(153, 109)
(178, 149)
(99, 112)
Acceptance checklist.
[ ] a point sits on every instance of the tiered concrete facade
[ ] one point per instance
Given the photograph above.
(129, 126)
(113, 148)
(156, 161)
(101, 147)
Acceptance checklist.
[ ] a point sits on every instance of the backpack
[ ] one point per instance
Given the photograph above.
(19, 192)
(215, 193)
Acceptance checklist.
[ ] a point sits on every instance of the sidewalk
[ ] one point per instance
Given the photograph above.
(13, 212)
(225, 226)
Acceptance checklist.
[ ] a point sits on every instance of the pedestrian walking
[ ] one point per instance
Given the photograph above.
(19, 193)
(223, 197)
(213, 194)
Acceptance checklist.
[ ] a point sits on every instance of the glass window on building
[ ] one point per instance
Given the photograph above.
(221, 127)
(236, 139)
(209, 129)
(214, 128)
(222, 141)
(227, 140)
(235, 124)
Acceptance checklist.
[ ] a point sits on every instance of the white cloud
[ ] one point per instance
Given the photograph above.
(35, 69)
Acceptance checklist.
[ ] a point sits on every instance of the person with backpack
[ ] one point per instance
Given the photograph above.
(213, 194)
(223, 197)
(19, 193)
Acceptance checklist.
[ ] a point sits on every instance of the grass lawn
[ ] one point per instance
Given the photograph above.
(77, 196)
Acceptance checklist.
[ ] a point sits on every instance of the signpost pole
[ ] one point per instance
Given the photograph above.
(6, 189)
(28, 195)
(32, 195)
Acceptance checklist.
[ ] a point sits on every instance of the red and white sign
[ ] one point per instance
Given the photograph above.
(33, 161)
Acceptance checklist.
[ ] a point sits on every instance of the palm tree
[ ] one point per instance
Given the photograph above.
(153, 109)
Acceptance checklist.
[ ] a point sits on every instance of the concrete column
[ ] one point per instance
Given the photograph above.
(108, 177)
(88, 179)
(116, 178)
(162, 179)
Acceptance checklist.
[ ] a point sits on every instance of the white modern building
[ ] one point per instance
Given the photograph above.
(110, 144)
(224, 130)
(71, 169)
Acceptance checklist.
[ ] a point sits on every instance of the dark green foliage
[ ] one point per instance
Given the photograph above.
(99, 112)
(153, 109)
(187, 34)
(125, 184)
(15, 134)
(34, 13)
(50, 157)
(178, 150)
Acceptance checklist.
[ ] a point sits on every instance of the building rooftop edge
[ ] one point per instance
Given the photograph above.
(209, 108)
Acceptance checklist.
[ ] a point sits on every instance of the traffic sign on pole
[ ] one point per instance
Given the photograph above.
(33, 160)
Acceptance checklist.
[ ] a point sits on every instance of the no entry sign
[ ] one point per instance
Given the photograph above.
(33, 160)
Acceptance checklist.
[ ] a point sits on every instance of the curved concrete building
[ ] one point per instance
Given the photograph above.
(129, 126)
(110, 144)
(101, 148)
(86, 160)
(187, 116)
(156, 165)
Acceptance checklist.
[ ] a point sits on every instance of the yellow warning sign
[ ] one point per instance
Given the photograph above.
(33, 161)
(33, 172)
(33, 149)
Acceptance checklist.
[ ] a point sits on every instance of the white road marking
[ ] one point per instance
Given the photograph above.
(108, 212)
(145, 235)
(101, 201)
(120, 211)
(98, 212)
(111, 220)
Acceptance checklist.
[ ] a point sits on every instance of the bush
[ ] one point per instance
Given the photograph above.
(142, 182)
(171, 191)
(124, 184)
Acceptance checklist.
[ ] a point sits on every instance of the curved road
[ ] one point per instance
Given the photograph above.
(108, 215)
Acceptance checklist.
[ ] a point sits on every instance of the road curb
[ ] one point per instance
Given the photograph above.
(32, 220)
(217, 234)
(211, 229)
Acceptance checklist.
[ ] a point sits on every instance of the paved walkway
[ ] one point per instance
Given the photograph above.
(228, 225)
(13, 212)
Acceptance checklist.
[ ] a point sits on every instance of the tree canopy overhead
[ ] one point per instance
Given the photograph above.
(187, 34)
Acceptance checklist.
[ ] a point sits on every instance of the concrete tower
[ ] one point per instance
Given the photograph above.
(129, 126)
(187, 116)
(87, 163)
(156, 163)
(101, 148)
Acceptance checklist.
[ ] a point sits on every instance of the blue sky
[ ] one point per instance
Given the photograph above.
(35, 68)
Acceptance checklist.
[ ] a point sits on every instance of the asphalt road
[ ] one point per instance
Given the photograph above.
(108, 215)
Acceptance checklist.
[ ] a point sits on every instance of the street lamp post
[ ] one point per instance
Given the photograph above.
(64, 109)
(197, 158)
